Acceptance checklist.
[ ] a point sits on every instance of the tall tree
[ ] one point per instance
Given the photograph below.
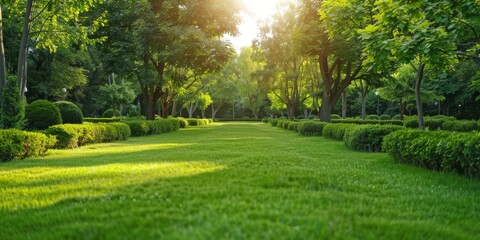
(52, 24)
(287, 67)
(328, 30)
(422, 33)
(183, 34)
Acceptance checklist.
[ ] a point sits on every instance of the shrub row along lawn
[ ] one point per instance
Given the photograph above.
(17, 144)
(435, 150)
(231, 181)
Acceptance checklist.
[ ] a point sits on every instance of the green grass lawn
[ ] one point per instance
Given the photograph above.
(231, 181)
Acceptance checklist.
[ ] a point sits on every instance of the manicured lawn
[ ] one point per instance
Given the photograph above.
(231, 181)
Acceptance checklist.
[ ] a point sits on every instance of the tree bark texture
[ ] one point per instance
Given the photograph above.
(22, 53)
(418, 99)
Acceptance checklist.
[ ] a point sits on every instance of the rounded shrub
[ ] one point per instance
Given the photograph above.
(385, 117)
(372, 117)
(335, 116)
(368, 138)
(42, 114)
(397, 117)
(109, 113)
(70, 112)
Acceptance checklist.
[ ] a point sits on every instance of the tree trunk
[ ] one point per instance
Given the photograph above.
(22, 53)
(3, 68)
(418, 84)
(402, 109)
(344, 104)
(364, 105)
(327, 107)
(203, 113)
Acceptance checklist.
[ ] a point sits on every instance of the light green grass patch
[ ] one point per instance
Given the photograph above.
(231, 181)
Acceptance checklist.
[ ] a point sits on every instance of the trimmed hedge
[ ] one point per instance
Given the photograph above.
(76, 135)
(311, 128)
(41, 114)
(377, 122)
(70, 112)
(199, 121)
(21, 144)
(438, 150)
(337, 131)
(372, 117)
(384, 117)
(461, 126)
(102, 120)
(430, 123)
(293, 126)
(368, 138)
(183, 122)
(109, 113)
(335, 116)
(149, 127)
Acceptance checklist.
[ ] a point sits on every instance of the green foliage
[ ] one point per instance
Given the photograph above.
(377, 122)
(10, 144)
(273, 121)
(70, 112)
(285, 124)
(335, 116)
(21, 144)
(439, 150)
(397, 117)
(42, 114)
(337, 130)
(293, 126)
(77, 135)
(110, 113)
(12, 110)
(369, 138)
(265, 120)
(183, 122)
(102, 120)
(461, 126)
(430, 123)
(372, 117)
(36, 144)
(112, 95)
(311, 128)
(384, 117)
(198, 122)
(150, 127)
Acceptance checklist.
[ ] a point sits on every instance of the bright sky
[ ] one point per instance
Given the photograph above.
(261, 10)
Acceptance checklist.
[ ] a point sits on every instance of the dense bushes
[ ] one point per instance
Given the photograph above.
(336, 131)
(385, 117)
(198, 121)
(149, 127)
(183, 122)
(311, 128)
(437, 150)
(377, 122)
(42, 114)
(109, 113)
(75, 135)
(102, 120)
(368, 137)
(335, 116)
(70, 112)
(372, 117)
(431, 123)
(461, 126)
(20, 144)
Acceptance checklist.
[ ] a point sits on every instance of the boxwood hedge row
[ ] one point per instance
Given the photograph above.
(337, 131)
(19, 144)
(76, 135)
(368, 138)
(436, 150)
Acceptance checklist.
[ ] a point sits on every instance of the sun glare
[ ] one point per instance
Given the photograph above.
(258, 10)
